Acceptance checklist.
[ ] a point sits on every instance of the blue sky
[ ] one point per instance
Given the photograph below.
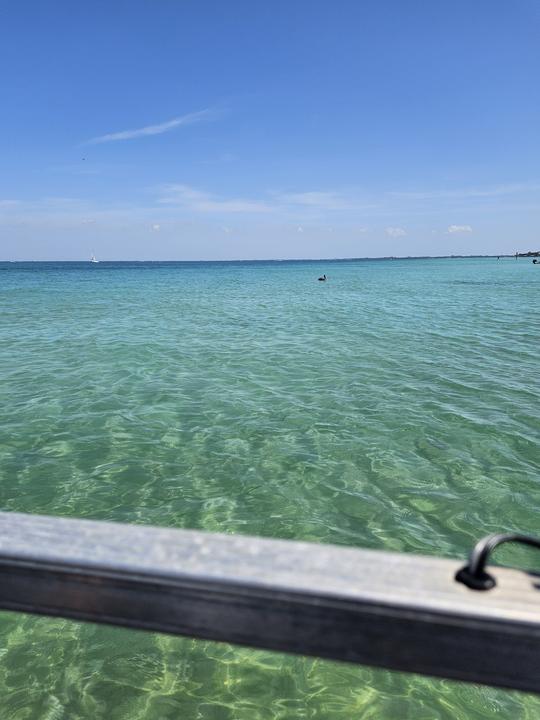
(197, 129)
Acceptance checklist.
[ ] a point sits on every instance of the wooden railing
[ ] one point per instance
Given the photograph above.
(397, 611)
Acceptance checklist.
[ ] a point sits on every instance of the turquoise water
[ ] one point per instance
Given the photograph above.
(395, 406)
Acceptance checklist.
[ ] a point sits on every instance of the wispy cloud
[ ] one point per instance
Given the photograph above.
(307, 204)
(159, 129)
(316, 199)
(463, 193)
(395, 232)
(322, 202)
(43, 204)
(459, 229)
(202, 202)
(310, 206)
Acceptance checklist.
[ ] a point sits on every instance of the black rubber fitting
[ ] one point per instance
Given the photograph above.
(474, 575)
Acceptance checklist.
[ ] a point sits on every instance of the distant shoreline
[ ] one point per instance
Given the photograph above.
(275, 260)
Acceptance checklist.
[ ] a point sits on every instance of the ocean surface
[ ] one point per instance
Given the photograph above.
(396, 406)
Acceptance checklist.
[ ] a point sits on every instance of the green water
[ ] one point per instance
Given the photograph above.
(395, 406)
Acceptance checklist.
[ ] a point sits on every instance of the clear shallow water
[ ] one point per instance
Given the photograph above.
(396, 406)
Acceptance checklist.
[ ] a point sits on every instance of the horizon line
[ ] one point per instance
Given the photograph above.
(297, 259)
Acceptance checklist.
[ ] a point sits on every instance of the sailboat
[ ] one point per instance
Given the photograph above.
(93, 259)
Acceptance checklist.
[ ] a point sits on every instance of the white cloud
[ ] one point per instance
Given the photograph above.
(300, 229)
(315, 199)
(474, 192)
(301, 207)
(158, 129)
(395, 232)
(156, 227)
(459, 229)
(202, 202)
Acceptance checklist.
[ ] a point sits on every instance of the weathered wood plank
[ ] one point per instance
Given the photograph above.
(403, 612)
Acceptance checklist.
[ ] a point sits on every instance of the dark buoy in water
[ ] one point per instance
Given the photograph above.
(322, 279)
